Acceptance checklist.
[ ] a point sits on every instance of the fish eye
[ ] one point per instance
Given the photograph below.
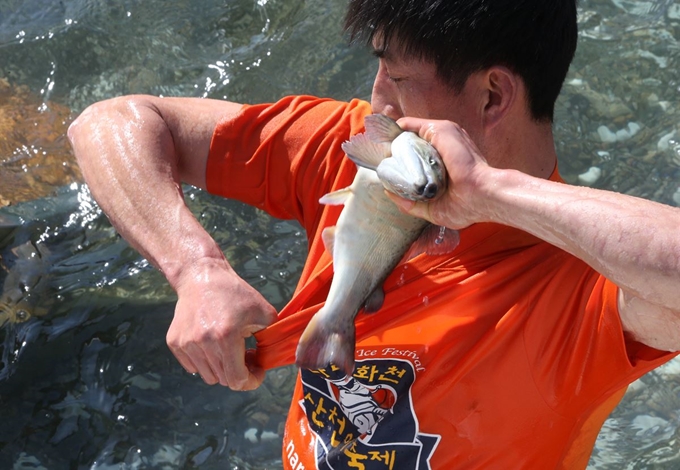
(22, 315)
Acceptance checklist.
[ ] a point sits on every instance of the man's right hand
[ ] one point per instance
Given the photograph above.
(215, 312)
(134, 153)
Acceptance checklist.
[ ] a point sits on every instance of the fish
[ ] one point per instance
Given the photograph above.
(26, 284)
(372, 236)
(415, 170)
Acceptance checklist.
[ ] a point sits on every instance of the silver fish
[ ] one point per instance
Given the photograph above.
(415, 170)
(26, 284)
(369, 240)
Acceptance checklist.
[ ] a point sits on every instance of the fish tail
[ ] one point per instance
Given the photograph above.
(322, 344)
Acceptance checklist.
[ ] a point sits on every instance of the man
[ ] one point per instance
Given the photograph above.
(508, 353)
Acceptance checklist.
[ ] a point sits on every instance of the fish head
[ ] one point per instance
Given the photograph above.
(15, 306)
(18, 304)
(13, 314)
(24, 291)
(415, 170)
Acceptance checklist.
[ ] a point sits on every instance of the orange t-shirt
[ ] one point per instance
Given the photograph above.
(507, 354)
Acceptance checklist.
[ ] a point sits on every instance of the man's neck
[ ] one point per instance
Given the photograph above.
(528, 148)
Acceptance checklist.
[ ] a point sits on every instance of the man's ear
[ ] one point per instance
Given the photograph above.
(502, 88)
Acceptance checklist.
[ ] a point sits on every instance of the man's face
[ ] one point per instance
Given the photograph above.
(411, 87)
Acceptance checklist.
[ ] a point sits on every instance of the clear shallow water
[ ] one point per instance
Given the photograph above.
(86, 380)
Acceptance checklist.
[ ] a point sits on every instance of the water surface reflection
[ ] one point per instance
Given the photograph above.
(86, 380)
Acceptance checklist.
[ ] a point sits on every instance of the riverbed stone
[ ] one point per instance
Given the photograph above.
(35, 156)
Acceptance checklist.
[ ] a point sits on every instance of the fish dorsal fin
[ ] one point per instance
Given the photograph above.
(435, 240)
(366, 153)
(328, 237)
(380, 128)
(336, 198)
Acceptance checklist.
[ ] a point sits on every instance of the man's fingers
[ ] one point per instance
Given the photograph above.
(411, 124)
(186, 363)
(192, 359)
(206, 372)
(252, 362)
(224, 362)
(416, 209)
(229, 365)
(404, 205)
(254, 373)
(215, 359)
(234, 371)
(425, 128)
(184, 360)
(257, 373)
(428, 129)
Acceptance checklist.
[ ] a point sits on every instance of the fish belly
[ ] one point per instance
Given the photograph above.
(371, 236)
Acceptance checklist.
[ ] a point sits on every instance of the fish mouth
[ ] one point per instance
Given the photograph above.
(427, 191)
(423, 184)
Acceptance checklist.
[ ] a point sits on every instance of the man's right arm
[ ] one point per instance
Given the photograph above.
(134, 153)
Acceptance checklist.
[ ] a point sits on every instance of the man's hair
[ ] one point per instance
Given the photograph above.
(536, 39)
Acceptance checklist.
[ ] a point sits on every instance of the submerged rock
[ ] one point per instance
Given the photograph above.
(35, 156)
(591, 176)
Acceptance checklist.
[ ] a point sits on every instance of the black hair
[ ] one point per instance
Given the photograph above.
(536, 39)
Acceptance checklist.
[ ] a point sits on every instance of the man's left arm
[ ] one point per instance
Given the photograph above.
(633, 242)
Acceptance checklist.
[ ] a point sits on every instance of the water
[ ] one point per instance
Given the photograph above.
(86, 380)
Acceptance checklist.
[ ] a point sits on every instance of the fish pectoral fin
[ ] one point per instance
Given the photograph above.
(434, 240)
(374, 301)
(366, 153)
(336, 198)
(439, 240)
(416, 249)
(380, 128)
(328, 237)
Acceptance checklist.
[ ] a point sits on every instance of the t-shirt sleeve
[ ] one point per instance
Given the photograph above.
(283, 157)
(577, 346)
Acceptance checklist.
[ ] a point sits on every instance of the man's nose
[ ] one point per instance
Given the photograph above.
(385, 97)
